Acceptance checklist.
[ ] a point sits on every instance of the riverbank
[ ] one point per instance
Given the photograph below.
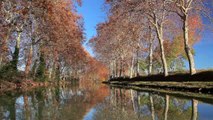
(207, 98)
(200, 82)
(27, 85)
(6, 86)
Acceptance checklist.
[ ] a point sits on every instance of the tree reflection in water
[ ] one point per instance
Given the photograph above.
(54, 103)
(97, 103)
(129, 104)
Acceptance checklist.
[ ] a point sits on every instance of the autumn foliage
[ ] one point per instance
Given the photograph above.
(148, 37)
(47, 37)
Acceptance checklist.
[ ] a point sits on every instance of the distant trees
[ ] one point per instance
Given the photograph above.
(148, 35)
(43, 38)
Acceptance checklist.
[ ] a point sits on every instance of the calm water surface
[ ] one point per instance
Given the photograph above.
(100, 103)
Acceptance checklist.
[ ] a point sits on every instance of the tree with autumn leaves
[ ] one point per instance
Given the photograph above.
(149, 36)
(43, 38)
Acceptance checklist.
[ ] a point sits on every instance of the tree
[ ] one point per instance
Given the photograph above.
(185, 9)
(47, 38)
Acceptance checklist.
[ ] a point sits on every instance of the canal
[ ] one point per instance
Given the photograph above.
(100, 102)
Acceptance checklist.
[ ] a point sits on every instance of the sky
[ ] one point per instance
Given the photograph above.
(93, 13)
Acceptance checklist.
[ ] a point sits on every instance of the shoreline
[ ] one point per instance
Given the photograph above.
(208, 98)
(201, 82)
(26, 85)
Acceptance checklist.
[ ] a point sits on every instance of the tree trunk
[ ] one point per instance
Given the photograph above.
(116, 68)
(112, 69)
(163, 58)
(5, 47)
(150, 55)
(12, 109)
(111, 98)
(29, 61)
(0, 61)
(40, 72)
(152, 107)
(51, 69)
(35, 68)
(26, 108)
(194, 109)
(187, 46)
(121, 67)
(137, 61)
(18, 40)
(166, 108)
(135, 105)
(57, 70)
(16, 52)
(132, 67)
(50, 73)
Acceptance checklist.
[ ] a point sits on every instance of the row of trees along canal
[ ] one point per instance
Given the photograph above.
(149, 35)
(44, 39)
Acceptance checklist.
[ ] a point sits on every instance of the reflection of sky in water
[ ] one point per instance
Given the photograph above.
(188, 104)
(75, 104)
(145, 110)
(19, 105)
(205, 111)
(90, 114)
(20, 101)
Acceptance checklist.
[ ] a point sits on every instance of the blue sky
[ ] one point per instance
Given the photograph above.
(204, 51)
(92, 12)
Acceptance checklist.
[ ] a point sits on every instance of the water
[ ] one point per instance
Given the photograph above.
(100, 102)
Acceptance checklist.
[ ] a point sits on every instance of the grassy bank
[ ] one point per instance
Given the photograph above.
(200, 82)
